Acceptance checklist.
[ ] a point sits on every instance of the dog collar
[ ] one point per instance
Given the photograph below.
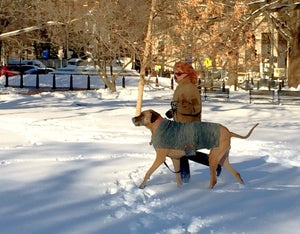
(157, 122)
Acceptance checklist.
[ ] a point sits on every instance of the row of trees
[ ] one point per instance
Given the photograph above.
(151, 32)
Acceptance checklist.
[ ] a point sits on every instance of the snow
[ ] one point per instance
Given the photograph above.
(71, 162)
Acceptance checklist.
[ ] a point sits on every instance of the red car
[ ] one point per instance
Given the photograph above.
(5, 70)
(13, 70)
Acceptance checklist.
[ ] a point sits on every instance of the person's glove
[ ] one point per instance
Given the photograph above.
(169, 114)
(174, 106)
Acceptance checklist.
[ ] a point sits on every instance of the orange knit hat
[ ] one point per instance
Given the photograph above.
(188, 69)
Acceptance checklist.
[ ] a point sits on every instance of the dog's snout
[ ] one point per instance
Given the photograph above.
(136, 121)
(133, 120)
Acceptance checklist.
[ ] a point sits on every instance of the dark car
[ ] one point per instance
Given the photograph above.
(16, 69)
(13, 70)
(39, 70)
(247, 85)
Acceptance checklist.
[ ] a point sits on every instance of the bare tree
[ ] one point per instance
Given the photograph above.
(145, 58)
(109, 30)
(199, 29)
(104, 30)
(284, 15)
(12, 17)
(196, 29)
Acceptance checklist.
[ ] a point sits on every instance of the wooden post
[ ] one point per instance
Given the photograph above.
(88, 82)
(156, 81)
(235, 84)
(37, 80)
(6, 80)
(21, 80)
(172, 83)
(123, 82)
(71, 82)
(205, 93)
(54, 82)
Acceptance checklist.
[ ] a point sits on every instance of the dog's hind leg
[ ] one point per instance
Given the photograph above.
(213, 164)
(229, 168)
(176, 164)
(217, 155)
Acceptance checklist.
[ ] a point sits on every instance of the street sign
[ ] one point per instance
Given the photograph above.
(60, 54)
(157, 67)
(207, 62)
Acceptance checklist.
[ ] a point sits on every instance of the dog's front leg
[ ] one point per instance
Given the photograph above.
(176, 164)
(160, 158)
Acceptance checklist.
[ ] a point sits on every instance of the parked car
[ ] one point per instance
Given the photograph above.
(267, 83)
(39, 70)
(247, 85)
(14, 70)
(79, 62)
(38, 67)
(75, 61)
(26, 67)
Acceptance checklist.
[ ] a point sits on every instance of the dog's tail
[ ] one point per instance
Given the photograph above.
(232, 134)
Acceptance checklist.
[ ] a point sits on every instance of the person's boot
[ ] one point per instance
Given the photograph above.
(219, 169)
(184, 169)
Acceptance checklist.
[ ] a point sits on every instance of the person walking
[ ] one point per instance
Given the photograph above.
(186, 107)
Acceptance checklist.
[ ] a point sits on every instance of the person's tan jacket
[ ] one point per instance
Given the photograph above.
(188, 100)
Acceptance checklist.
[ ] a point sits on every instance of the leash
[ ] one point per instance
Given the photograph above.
(170, 168)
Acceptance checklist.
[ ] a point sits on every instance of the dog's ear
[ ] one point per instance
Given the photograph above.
(154, 116)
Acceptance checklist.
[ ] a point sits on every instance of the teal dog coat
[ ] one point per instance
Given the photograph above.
(186, 136)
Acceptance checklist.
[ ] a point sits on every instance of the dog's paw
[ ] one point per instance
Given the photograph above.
(142, 186)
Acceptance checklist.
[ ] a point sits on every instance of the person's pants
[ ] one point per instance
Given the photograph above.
(200, 157)
(185, 169)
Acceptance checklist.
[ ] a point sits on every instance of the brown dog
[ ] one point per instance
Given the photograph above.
(216, 138)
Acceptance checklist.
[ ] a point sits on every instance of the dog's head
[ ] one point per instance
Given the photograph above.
(146, 118)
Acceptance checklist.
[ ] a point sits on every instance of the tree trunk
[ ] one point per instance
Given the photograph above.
(114, 77)
(145, 58)
(232, 78)
(294, 72)
(1, 52)
(111, 85)
(294, 67)
(294, 56)
(233, 72)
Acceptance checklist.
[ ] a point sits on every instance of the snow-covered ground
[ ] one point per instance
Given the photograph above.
(71, 162)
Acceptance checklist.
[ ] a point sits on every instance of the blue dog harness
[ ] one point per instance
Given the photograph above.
(186, 136)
